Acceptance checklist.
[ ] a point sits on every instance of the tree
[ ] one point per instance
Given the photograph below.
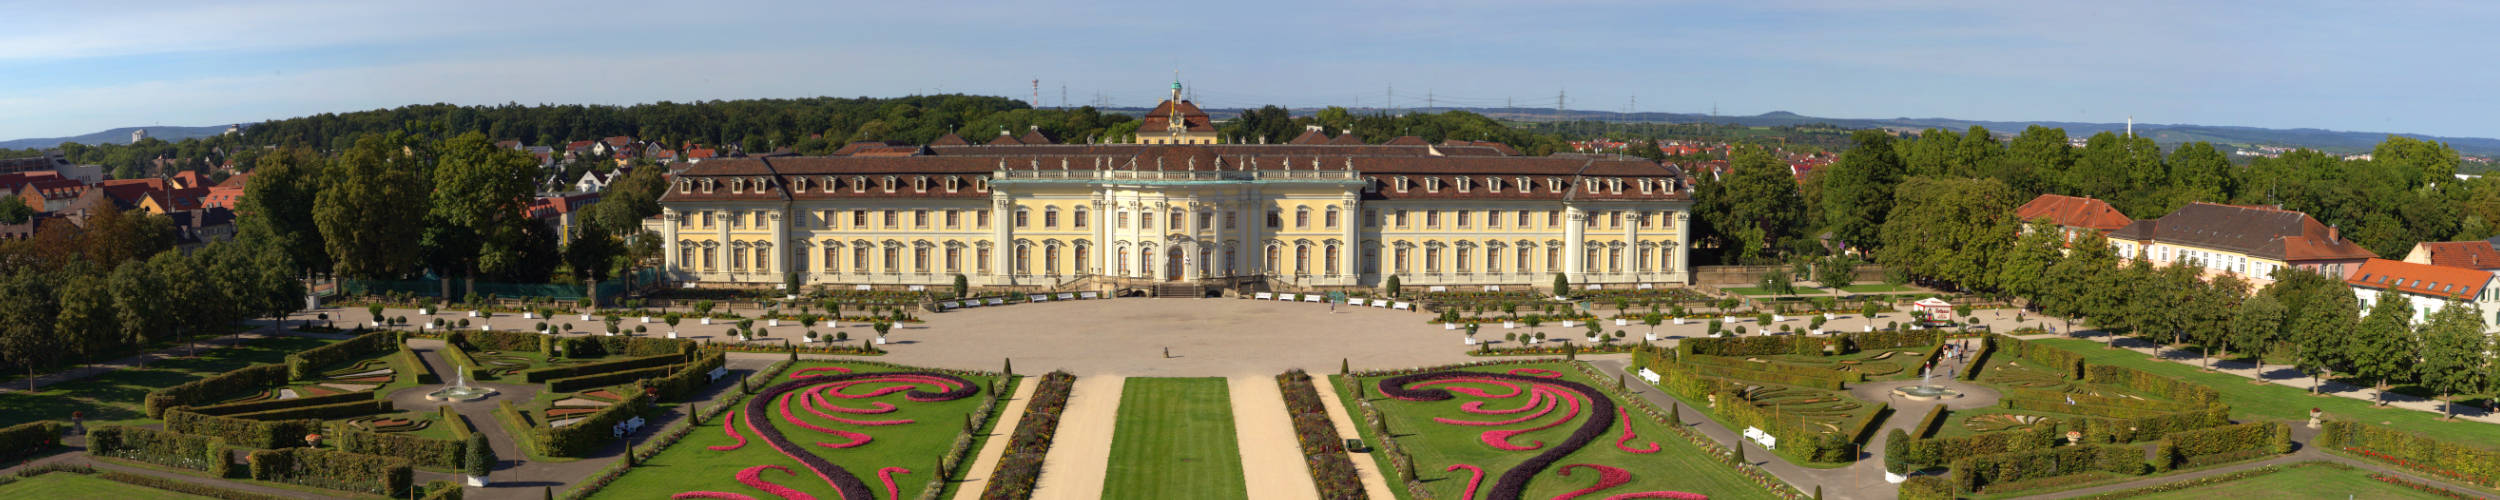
(1949, 229)
(2382, 350)
(1776, 281)
(2023, 271)
(1756, 207)
(2318, 329)
(1857, 190)
(1836, 272)
(27, 334)
(279, 204)
(139, 303)
(1562, 285)
(593, 257)
(481, 457)
(367, 211)
(2452, 354)
(2257, 324)
(475, 218)
(86, 315)
(14, 210)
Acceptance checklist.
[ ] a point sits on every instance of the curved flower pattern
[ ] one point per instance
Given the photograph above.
(732, 430)
(1575, 396)
(848, 486)
(1536, 372)
(1624, 443)
(1607, 477)
(714, 495)
(810, 372)
(1474, 479)
(753, 477)
(887, 475)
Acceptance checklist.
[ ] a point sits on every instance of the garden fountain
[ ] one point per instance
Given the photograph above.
(1926, 390)
(460, 390)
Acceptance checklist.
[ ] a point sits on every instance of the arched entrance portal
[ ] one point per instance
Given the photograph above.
(1172, 264)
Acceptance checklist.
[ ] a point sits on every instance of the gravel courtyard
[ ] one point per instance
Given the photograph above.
(1207, 337)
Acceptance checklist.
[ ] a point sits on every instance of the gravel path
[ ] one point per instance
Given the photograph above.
(978, 476)
(1271, 457)
(1080, 454)
(1375, 485)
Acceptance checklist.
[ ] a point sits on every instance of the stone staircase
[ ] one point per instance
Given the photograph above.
(1181, 290)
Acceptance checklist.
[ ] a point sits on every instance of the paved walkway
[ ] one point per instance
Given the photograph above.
(1080, 453)
(1271, 456)
(977, 477)
(1375, 485)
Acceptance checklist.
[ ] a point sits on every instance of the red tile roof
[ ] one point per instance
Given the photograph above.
(2073, 211)
(950, 139)
(2477, 254)
(1309, 137)
(2253, 230)
(2439, 281)
(1005, 140)
(1406, 140)
(1347, 139)
(1160, 118)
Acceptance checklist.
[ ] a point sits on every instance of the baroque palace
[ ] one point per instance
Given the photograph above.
(1178, 207)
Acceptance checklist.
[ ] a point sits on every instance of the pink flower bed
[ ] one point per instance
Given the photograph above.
(1607, 477)
(1475, 478)
(856, 438)
(720, 495)
(732, 430)
(753, 477)
(811, 372)
(1500, 439)
(1536, 372)
(886, 475)
(1536, 395)
(1624, 442)
(815, 404)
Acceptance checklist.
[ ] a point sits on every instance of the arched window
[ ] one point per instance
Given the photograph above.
(1371, 260)
(1645, 251)
(954, 258)
(1083, 257)
(1024, 258)
(1332, 252)
(1272, 250)
(920, 258)
(1050, 258)
(1614, 259)
(1432, 259)
(859, 258)
(1588, 264)
(1400, 265)
(893, 258)
(1302, 259)
(1553, 258)
(1492, 258)
(1463, 255)
(1302, 218)
(763, 259)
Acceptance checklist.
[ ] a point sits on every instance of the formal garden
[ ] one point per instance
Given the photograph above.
(1174, 440)
(1792, 388)
(827, 429)
(1536, 429)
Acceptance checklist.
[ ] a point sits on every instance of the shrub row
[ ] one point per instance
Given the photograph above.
(516, 424)
(215, 387)
(460, 359)
(1801, 376)
(1975, 474)
(338, 470)
(241, 431)
(1926, 488)
(307, 364)
(230, 409)
(1864, 429)
(1888, 339)
(1918, 454)
(570, 371)
(2253, 438)
(1322, 449)
(596, 380)
(1927, 425)
(170, 449)
(689, 377)
(442, 490)
(410, 364)
(367, 406)
(501, 341)
(584, 437)
(183, 487)
(2477, 464)
(29, 438)
(2066, 363)
(1022, 463)
(592, 347)
(2203, 481)
(421, 451)
(2151, 427)
(2184, 392)
(1766, 345)
(1978, 360)
(1794, 440)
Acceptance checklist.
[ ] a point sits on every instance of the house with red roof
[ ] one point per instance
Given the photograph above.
(2478, 254)
(2427, 289)
(2251, 242)
(2073, 215)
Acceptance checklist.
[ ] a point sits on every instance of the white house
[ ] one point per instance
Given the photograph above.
(2428, 288)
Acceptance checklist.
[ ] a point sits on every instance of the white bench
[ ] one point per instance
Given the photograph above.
(1088, 295)
(716, 373)
(1067, 296)
(1265, 296)
(1402, 306)
(1380, 303)
(1310, 298)
(997, 301)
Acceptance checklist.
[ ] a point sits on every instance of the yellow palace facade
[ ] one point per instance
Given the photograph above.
(1299, 216)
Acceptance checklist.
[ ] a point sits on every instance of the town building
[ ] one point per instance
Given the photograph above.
(1175, 121)
(2074, 216)
(1204, 214)
(2250, 242)
(2478, 254)
(2427, 288)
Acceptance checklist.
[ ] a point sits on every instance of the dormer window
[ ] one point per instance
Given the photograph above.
(1614, 186)
(920, 183)
(828, 184)
(1645, 186)
(1493, 184)
(707, 186)
(1464, 183)
(737, 186)
(954, 183)
(684, 187)
(1402, 184)
(981, 184)
(1554, 184)
(859, 184)
(799, 185)
(1432, 184)
(889, 184)
(1524, 185)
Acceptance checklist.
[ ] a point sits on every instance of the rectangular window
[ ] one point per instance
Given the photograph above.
(1371, 217)
(1302, 218)
(1275, 220)
(1493, 259)
(1123, 224)
(1462, 260)
(890, 215)
(859, 259)
(1145, 220)
(1432, 260)
(1228, 219)
(981, 218)
(1523, 219)
(1401, 216)
(1432, 219)
(1050, 219)
(1020, 218)
(920, 219)
(1553, 218)
(1462, 219)
(981, 259)
(1080, 218)
(953, 219)
(859, 219)
(1332, 219)
(1206, 220)
(1492, 220)
(954, 259)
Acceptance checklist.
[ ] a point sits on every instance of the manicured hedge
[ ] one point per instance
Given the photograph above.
(338, 470)
(1789, 370)
(1332, 473)
(2474, 463)
(410, 364)
(1927, 425)
(596, 380)
(570, 371)
(183, 487)
(1794, 441)
(442, 490)
(1978, 360)
(2151, 427)
(1926, 488)
(1975, 474)
(1871, 341)
(1766, 345)
(591, 347)
(1927, 453)
(501, 341)
(215, 387)
(368, 406)
(1864, 429)
(241, 431)
(230, 409)
(517, 425)
(30, 437)
(460, 359)
(593, 431)
(2184, 392)
(1022, 464)
(307, 364)
(2229, 442)
(2067, 363)
(170, 449)
(422, 451)
(689, 377)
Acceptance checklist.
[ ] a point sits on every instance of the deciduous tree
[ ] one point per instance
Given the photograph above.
(2452, 354)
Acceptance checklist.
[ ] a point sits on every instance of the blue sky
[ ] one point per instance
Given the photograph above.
(75, 67)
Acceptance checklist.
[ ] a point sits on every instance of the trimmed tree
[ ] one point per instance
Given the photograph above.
(2382, 350)
(2452, 355)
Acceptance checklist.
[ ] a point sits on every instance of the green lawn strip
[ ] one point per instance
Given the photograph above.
(2278, 402)
(241, 470)
(75, 485)
(1175, 440)
(1380, 461)
(2304, 481)
(114, 398)
(1877, 288)
(1755, 291)
(689, 465)
(956, 481)
(1677, 466)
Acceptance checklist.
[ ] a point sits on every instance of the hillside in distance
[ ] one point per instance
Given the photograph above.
(117, 136)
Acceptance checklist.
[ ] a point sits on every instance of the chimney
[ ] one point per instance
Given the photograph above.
(2332, 236)
(1311, 128)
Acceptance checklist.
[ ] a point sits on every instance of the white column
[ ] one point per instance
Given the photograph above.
(669, 219)
(1002, 238)
(1349, 250)
(1189, 254)
(781, 242)
(1102, 239)
(1575, 232)
(720, 259)
(1632, 243)
(1683, 241)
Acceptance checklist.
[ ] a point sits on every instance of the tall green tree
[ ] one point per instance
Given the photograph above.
(27, 335)
(86, 316)
(372, 207)
(2024, 269)
(2257, 324)
(1857, 189)
(2036, 161)
(1756, 207)
(139, 304)
(278, 204)
(2382, 349)
(1953, 230)
(2453, 362)
(13, 210)
(475, 218)
(2320, 327)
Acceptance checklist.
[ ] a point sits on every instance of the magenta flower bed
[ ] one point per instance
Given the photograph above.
(814, 389)
(1550, 402)
(1624, 443)
(1475, 478)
